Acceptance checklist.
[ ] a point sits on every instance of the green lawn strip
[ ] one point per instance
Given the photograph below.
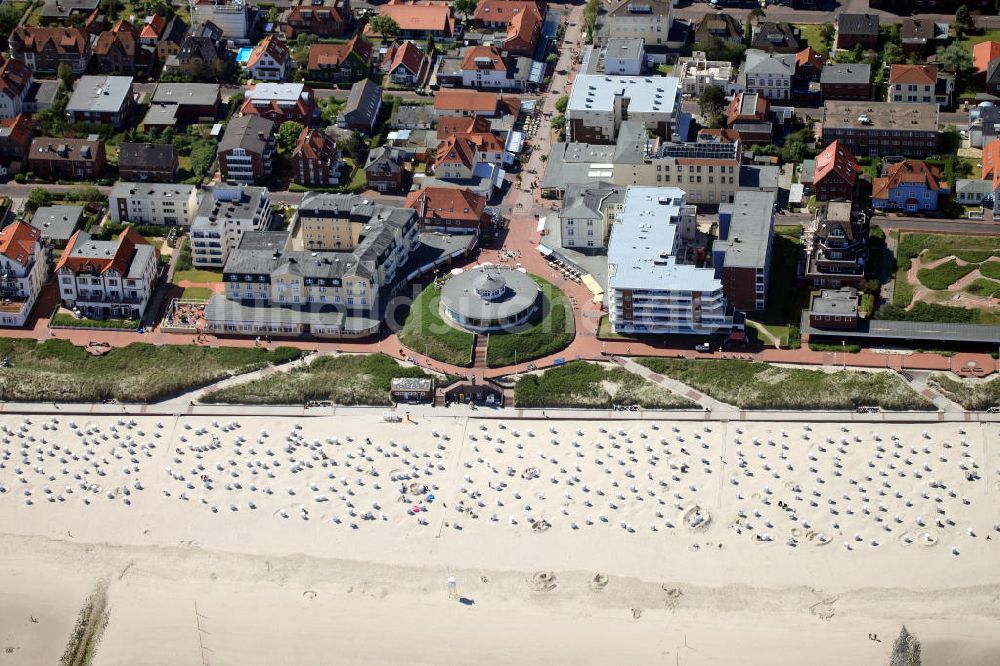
(972, 394)
(784, 301)
(353, 379)
(811, 34)
(197, 294)
(944, 275)
(194, 275)
(551, 331)
(990, 269)
(969, 41)
(749, 385)
(64, 319)
(985, 288)
(939, 246)
(56, 370)
(426, 333)
(585, 384)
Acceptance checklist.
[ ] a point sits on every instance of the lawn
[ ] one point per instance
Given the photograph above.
(944, 275)
(197, 294)
(749, 385)
(985, 288)
(973, 394)
(353, 379)
(585, 384)
(969, 41)
(64, 319)
(973, 249)
(812, 36)
(990, 269)
(551, 331)
(426, 333)
(785, 300)
(195, 275)
(56, 370)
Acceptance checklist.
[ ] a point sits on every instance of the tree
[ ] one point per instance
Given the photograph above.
(10, 14)
(87, 193)
(385, 26)
(964, 23)
(718, 49)
(465, 7)
(954, 58)
(352, 145)
(906, 649)
(712, 101)
(562, 103)
(288, 134)
(893, 54)
(38, 197)
(827, 32)
(65, 74)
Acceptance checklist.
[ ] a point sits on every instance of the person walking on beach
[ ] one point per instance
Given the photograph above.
(452, 588)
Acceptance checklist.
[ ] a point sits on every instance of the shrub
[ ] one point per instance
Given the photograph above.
(944, 275)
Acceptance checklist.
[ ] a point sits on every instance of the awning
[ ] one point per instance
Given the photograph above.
(590, 283)
(546, 252)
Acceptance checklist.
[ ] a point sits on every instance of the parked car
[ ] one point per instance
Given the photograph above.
(703, 347)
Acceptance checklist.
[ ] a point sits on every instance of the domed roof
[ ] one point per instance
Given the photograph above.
(489, 283)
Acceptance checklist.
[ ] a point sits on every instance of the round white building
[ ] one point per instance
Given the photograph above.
(490, 298)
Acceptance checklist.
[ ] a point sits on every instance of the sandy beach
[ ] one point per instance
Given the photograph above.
(271, 540)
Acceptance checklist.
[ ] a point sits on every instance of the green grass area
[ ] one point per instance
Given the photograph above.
(585, 384)
(972, 394)
(354, 379)
(551, 331)
(985, 288)
(969, 41)
(944, 275)
(197, 294)
(749, 385)
(358, 180)
(812, 36)
(833, 347)
(194, 275)
(990, 269)
(64, 319)
(785, 300)
(425, 332)
(56, 370)
(932, 247)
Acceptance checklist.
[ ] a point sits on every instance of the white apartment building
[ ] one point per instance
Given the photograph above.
(153, 203)
(15, 84)
(624, 57)
(23, 271)
(599, 103)
(587, 214)
(108, 278)
(648, 20)
(232, 16)
(226, 211)
(654, 285)
(697, 73)
(769, 74)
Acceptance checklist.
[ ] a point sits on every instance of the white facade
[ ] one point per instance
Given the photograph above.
(153, 203)
(91, 281)
(231, 17)
(598, 104)
(643, 19)
(225, 213)
(624, 57)
(912, 93)
(697, 73)
(23, 272)
(769, 74)
(267, 68)
(486, 78)
(653, 284)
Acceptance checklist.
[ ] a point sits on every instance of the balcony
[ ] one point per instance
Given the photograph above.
(106, 299)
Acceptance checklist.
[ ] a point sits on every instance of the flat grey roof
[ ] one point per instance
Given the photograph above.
(411, 384)
(881, 115)
(459, 295)
(105, 94)
(854, 73)
(575, 162)
(910, 330)
(161, 114)
(192, 94)
(750, 229)
(625, 48)
(836, 302)
(646, 94)
(221, 310)
(759, 176)
(57, 222)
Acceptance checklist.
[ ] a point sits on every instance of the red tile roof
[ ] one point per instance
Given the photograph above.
(983, 54)
(434, 18)
(273, 47)
(920, 74)
(154, 27)
(14, 78)
(64, 40)
(502, 11)
(483, 58)
(524, 29)
(456, 149)
(123, 33)
(466, 100)
(447, 203)
(991, 162)
(407, 55)
(809, 55)
(118, 261)
(314, 144)
(19, 127)
(462, 125)
(17, 241)
(335, 55)
(907, 171)
(836, 159)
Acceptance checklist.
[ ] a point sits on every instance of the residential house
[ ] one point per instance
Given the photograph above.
(161, 204)
(170, 42)
(147, 162)
(598, 104)
(835, 175)
(281, 102)
(497, 14)
(835, 309)
(405, 64)
(484, 67)
(315, 159)
(749, 116)
(720, 26)
(848, 81)
(246, 152)
(974, 192)
(984, 124)
(525, 30)
(153, 29)
(201, 55)
(57, 224)
(269, 60)
(120, 51)
(67, 12)
(769, 74)
(385, 169)
(910, 185)
(419, 117)
(776, 37)
(857, 29)
(226, 212)
(459, 155)
(23, 272)
(233, 17)
(809, 65)
(363, 106)
(108, 278)
(991, 164)
(15, 140)
(102, 100)
(323, 18)
(474, 103)
(985, 57)
(654, 283)
(920, 84)
(420, 21)
(340, 63)
(696, 73)
(882, 128)
(839, 250)
(15, 86)
(183, 103)
(61, 158)
(648, 20)
(922, 37)
(741, 257)
(588, 211)
(453, 210)
(625, 57)
(44, 49)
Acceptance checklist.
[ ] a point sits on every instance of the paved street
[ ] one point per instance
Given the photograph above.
(695, 10)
